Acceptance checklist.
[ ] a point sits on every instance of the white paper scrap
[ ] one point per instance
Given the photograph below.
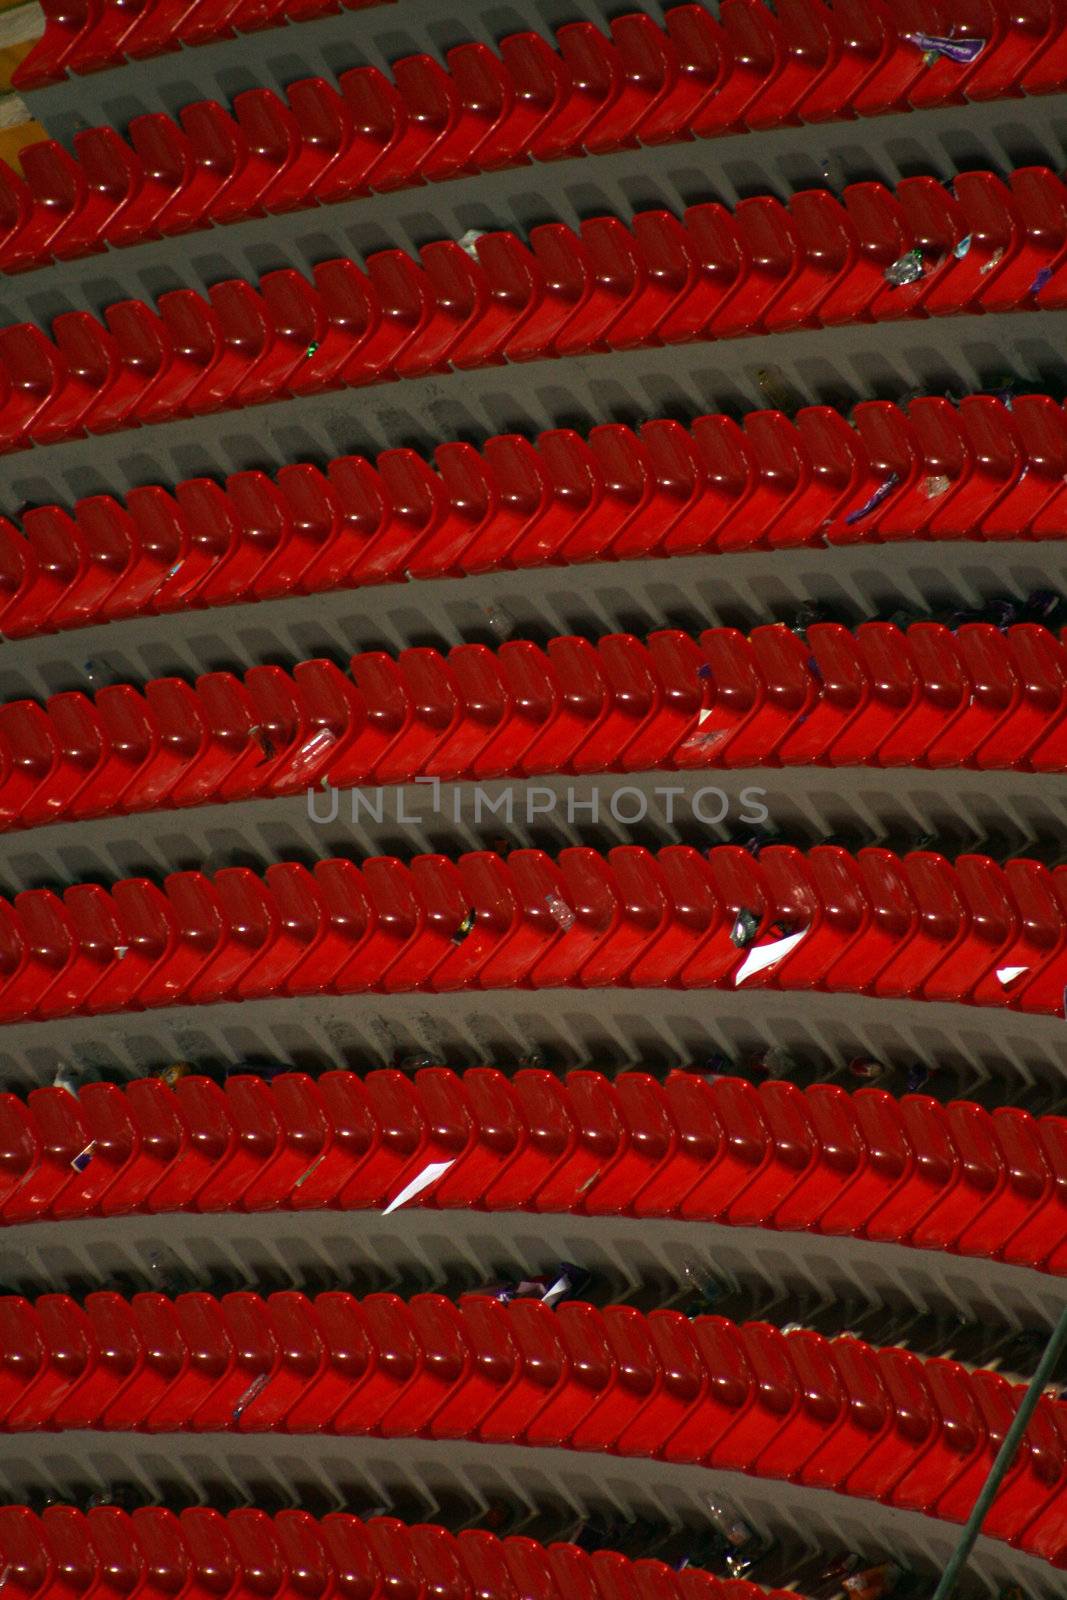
(428, 1175)
(762, 956)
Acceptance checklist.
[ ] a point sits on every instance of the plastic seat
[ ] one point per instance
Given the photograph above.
(66, 1345)
(773, 1398)
(57, 190)
(188, 921)
(914, 1424)
(1028, 1182)
(981, 1177)
(352, 955)
(103, 1184)
(36, 387)
(1030, 1243)
(150, 936)
(865, 1422)
(820, 1415)
(725, 1396)
(636, 1382)
(545, 1135)
(350, 1358)
(98, 946)
(56, 1132)
(595, 1131)
(396, 1366)
(774, 263)
(517, 904)
(16, 208)
(205, 1358)
(588, 73)
(229, 1340)
(451, 945)
(939, 927)
(384, 1124)
(512, 287)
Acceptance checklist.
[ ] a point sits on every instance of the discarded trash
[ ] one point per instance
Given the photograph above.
(917, 1075)
(874, 1583)
(265, 739)
(312, 347)
(567, 1283)
(826, 1580)
(176, 1071)
(257, 1386)
(725, 1520)
(704, 671)
(883, 491)
(83, 1158)
(560, 910)
(777, 388)
(465, 927)
(906, 269)
(1006, 975)
(319, 741)
(66, 1078)
(304, 1176)
(762, 956)
(864, 1067)
(935, 485)
(166, 1267)
(746, 926)
(962, 247)
(706, 1290)
(425, 1178)
(1044, 276)
(963, 51)
(501, 621)
(994, 261)
(774, 1063)
(469, 242)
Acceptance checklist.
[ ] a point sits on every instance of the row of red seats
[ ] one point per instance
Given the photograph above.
(838, 1414)
(934, 697)
(488, 110)
(912, 926)
(819, 1160)
(84, 36)
(874, 255)
(248, 1555)
(930, 471)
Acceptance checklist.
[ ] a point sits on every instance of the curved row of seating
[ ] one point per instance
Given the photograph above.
(877, 254)
(913, 926)
(987, 469)
(491, 109)
(838, 1414)
(801, 61)
(928, 696)
(83, 36)
(864, 1165)
(248, 1555)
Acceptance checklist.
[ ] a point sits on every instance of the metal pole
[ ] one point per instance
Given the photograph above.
(1005, 1455)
